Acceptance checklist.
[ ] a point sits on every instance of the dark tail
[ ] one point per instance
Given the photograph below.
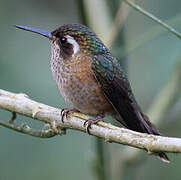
(163, 157)
(153, 130)
(142, 124)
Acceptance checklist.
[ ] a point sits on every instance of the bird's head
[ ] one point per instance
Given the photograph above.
(72, 39)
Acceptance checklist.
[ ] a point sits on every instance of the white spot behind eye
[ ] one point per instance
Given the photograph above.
(72, 41)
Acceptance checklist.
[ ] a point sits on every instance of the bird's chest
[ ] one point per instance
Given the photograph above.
(72, 79)
(72, 75)
(78, 85)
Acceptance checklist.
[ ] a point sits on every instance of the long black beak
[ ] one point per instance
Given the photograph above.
(38, 31)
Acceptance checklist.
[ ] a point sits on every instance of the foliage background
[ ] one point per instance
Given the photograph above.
(25, 67)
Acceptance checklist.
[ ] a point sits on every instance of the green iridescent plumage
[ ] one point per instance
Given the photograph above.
(86, 38)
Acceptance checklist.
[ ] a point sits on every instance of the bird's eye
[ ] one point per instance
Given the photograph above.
(63, 40)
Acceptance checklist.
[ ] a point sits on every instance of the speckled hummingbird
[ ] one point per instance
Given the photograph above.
(91, 80)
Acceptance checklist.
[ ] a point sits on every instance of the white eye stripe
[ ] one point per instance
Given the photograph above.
(72, 41)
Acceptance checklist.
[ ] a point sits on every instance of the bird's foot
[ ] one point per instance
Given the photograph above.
(65, 112)
(89, 122)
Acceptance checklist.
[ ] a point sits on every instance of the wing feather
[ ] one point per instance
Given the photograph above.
(117, 89)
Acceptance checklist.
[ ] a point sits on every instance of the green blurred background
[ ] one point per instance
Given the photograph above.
(149, 54)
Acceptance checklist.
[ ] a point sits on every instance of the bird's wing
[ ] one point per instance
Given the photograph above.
(116, 88)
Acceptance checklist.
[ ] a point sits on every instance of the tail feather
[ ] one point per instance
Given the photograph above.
(154, 131)
(145, 126)
(163, 157)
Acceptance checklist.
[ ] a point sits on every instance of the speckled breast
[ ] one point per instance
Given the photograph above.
(77, 84)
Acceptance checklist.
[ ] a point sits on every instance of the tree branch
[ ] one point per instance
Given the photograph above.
(21, 104)
(27, 130)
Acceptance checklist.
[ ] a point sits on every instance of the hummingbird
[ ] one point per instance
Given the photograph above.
(90, 79)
